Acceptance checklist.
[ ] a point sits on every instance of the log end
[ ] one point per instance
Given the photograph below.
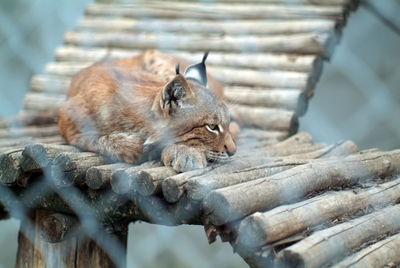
(120, 183)
(287, 258)
(218, 209)
(54, 228)
(94, 179)
(294, 125)
(302, 104)
(145, 185)
(10, 169)
(250, 232)
(171, 190)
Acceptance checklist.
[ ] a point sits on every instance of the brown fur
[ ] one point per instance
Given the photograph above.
(124, 108)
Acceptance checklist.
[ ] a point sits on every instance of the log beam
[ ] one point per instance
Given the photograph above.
(234, 202)
(263, 228)
(332, 244)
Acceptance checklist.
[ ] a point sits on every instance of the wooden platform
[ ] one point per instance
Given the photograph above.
(282, 199)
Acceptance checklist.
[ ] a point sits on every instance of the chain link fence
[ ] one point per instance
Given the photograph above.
(357, 98)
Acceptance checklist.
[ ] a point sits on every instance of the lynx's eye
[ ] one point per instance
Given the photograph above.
(213, 128)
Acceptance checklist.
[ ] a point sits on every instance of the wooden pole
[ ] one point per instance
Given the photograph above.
(76, 251)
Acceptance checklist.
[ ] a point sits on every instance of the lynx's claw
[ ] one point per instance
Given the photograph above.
(183, 158)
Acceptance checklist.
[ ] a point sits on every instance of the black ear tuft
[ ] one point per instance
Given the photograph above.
(198, 71)
(205, 56)
(177, 69)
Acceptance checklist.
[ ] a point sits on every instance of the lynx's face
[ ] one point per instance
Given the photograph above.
(196, 116)
(203, 122)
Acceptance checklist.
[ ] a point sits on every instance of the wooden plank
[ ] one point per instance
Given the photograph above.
(24, 118)
(312, 43)
(31, 131)
(169, 9)
(287, 99)
(263, 61)
(225, 75)
(43, 102)
(267, 118)
(278, 2)
(237, 27)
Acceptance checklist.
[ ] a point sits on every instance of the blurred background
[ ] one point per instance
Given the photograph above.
(357, 98)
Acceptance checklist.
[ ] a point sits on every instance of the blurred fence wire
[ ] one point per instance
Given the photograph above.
(372, 83)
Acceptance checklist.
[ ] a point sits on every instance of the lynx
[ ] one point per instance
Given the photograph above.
(127, 108)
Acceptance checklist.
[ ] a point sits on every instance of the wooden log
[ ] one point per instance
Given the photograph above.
(33, 251)
(173, 187)
(215, 11)
(294, 100)
(43, 102)
(332, 244)
(99, 177)
(57, 227)
(39, 156)
(197, 188)
(33, 131)
(263, 61)
(24, 118)
(253, 27)
(267, 118)
(234, 202)
(259, 135)
(4, 214)
(342, 148)
(384, 253)
(156, 210)
(226, 75)
(149, 180)
(315, 43)
(269, 79)
(10, 168)
(70, 168)
(50, 83)
(280, 2)
(22, 141)
(266, 227)
(26, 239)
(124, 181)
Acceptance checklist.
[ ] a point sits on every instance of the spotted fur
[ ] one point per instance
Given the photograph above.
(126, 108)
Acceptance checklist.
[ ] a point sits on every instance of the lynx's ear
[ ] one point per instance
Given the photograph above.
(197, 71)
(174, 94)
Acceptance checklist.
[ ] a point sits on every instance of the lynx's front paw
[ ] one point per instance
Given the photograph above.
(183, 158)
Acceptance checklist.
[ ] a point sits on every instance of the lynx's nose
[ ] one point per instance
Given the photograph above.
(230, 146)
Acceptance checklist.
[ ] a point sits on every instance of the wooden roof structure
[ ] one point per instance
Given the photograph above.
(282, 200)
